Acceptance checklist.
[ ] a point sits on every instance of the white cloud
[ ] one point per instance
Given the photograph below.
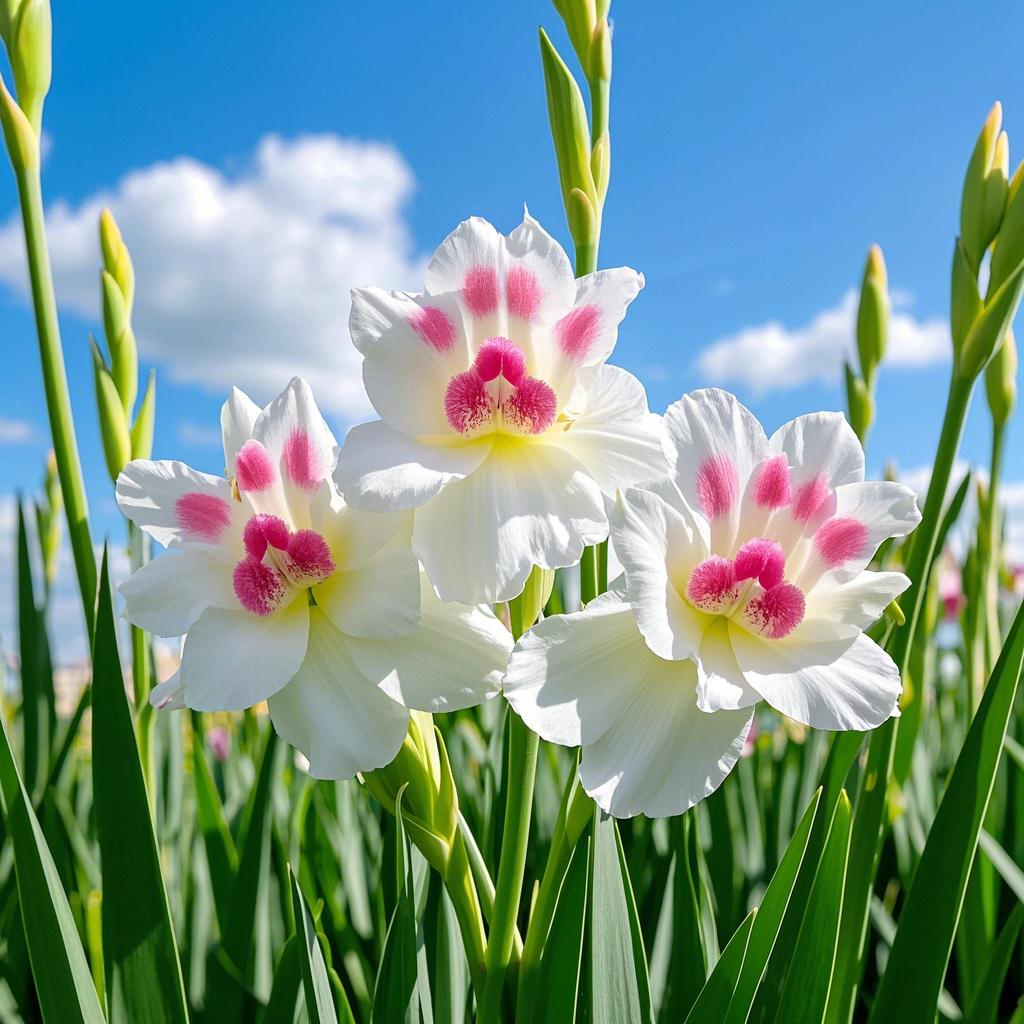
(15, 431)
(244, 278)
(773, 357)
(199, 434)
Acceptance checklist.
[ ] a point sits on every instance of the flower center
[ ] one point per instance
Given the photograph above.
(496, 393)
(278, 562)
(751, 586)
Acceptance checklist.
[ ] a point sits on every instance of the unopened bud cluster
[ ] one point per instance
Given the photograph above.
(25, 28)
(872, 337)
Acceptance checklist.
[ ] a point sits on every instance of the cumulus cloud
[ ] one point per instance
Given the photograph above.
(244, 278)
(15, 431)
(773, 357)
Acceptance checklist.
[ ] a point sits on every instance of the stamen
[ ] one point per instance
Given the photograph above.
(762, 560)
(777, 612)
(713, 587)
(717, 486)
(202, 516)
(839, 540)
(260, 588)
(772, 488)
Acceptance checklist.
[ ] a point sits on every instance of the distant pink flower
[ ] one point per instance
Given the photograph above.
(220, 742)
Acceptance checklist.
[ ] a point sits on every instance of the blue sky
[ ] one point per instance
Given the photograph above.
(757, 153)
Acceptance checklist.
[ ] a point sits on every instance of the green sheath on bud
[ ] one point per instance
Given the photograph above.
(981, 208)
(21, 138)
(124, 357)
(579, 17)
(30, 51)
(116, 259)
(991, 326)
(142, 429)
(965, 302)
(1008, 251)
(873, 315)
(860, 404)
(117, 443)
(524, 609)
(1001, 380)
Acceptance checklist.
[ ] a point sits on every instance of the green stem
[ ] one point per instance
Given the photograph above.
(55, 383)
(458, 880)
(522, 770)
(869, 818)
(993, 638)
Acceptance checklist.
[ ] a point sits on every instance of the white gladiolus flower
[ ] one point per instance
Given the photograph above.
(501, 425)
(751, 558)
(288, 595)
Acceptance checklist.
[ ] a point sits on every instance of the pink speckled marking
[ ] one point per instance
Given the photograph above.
(253, 469)
(810, 499)
(532, 407)
(480, 291)
(577, 331)
(717, 486)
(777, 612)
(500, 356)
(712, 586)
(260, 588)
(309, 558)
(772, 488)
(262, 530)
(467, 404)
(523, 293)
(762, 560)
(434, 326)
(303, 462)
(202, 516)
(839, 540)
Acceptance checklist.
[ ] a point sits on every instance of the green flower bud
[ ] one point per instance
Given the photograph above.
(579, 17)
(1001, 380)
(569, 127)
(984, 192)
(48, 519)
(142, 430)
(599, 65)
(582, 218)
(124, 356)
(991, 326)
(30, 51)
(20, 137)
(117, 443)
(116, 259)
(1008, 251)
(601, 166)
(965, 302)
(524, 609)
(873, 314)
(860, 404)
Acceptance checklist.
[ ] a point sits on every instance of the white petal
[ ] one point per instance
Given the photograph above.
(168, 695)
(609, 292)
(820, 444)
(615, 436)
(381, 470)
(405, 376)
(355, 536)
(658, 549)
(533, 249)
(852, 605)
(527, 504)
(841, 684)
(149, 494)
(333, 713)
(663, 754)
(720, 682)
(571, 676)
(454, 659)
(233, 659)
(710, 428)
(167, 594)
(238, 416)
(474, 243)
(381, 598)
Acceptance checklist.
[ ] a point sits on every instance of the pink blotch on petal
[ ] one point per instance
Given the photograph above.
(467, 405)
(309, 558)
(303, 462)
(777, 612)
(762, 560)
(717, 486)
(523, 293)
(434, 327)
(480, 291)
(772, 488)
(810, 499)
(577, 331)
(253, 469)
(202, 516)
(712, 587)
(260, 588)
(499, 356)
(264, 529)
(532, 407)
(839, 540)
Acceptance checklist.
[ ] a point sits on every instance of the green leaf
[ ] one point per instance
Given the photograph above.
(927, 924)
(287, 981)
(143, 974)
(64, 985)
(713, 1001)
(558, 979)
(619, 986)
(315, 980)
(985, 1008)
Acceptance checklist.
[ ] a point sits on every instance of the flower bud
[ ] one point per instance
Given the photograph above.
(859, 402)
(116, 259)
(990, 327)
(1001, 380)
(124, 358)
(966, 304)
(579, 17)
(117, 444)
(524, 609)
(582, 218)
(142, 429)
(20, 137)
(48, 519)
(873, 315)
(601, 166)
(984, 193)
(599, 65)
(1008, 251)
